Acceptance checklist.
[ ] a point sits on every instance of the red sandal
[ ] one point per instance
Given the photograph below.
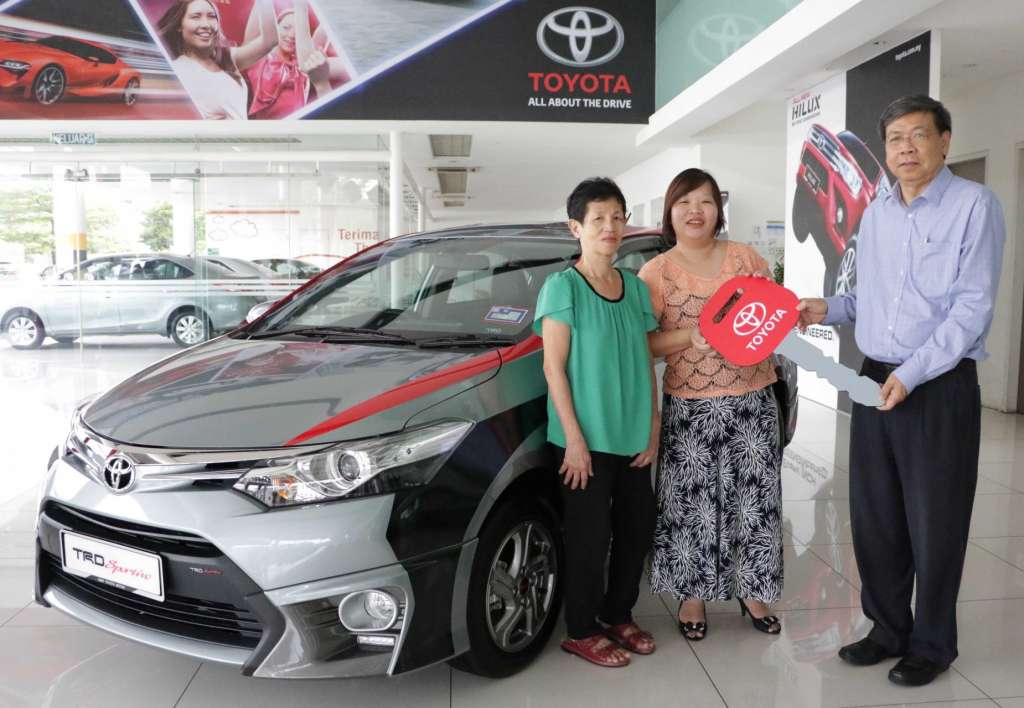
(631, 637)
(597, 649)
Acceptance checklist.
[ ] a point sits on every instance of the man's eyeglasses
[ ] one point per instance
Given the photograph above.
(916, 138)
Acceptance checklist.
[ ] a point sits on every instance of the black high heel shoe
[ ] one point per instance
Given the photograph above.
(769, 624)
(688, 628)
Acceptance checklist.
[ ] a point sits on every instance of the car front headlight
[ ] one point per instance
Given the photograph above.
(850, 176)
(359, 468)
(18, 67)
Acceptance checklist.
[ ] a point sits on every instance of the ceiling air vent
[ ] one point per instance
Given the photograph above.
(451, 145)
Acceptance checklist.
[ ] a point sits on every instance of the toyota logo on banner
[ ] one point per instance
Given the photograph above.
(568, 36)
(119, 474)
(749, 318)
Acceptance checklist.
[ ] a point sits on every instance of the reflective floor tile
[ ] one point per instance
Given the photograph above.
(981, 703)
(1011, 702)
(18, 544)
(1008, 474)
(16, 582)
(801, 669)
(991, 645)
(998, 515)
(79, 667)
(38, 616)
(988, 486)
(216, 686)
(816, 522)
(806, 477)
(1010, 550)
(840, 558)
(671, 676)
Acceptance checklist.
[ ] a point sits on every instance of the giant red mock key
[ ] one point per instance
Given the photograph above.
(749, 318)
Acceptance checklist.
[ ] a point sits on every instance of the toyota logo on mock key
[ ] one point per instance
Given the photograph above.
(119, 474)
(573, 32)
(749, 318)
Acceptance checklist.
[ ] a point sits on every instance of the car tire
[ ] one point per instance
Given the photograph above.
(804, 208)
(49, 85)
(25, 330)
(510, 622)
(841, 274)
(131, 92)
(189, 328)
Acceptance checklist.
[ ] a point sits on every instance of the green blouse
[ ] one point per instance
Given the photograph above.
(608, 365)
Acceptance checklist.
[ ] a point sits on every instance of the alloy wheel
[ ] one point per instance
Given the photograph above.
(847, 272)
(49, 85)
(131, 92)
(22, 331)
(521, 586)
(190, 329)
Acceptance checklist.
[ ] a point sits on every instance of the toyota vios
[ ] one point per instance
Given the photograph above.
(354, 483)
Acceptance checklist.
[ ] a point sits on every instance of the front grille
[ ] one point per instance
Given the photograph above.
(127, 533)
(819, 180)
(218, 622)
(207, 598)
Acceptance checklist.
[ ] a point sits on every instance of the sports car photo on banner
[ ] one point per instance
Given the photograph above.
(47, 69)
(83, 60)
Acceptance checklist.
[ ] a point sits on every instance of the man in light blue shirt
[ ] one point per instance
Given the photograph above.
(927, 276)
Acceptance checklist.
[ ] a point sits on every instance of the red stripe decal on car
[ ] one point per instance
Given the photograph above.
(421, 387)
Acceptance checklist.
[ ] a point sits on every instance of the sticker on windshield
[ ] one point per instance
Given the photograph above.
(506, 315)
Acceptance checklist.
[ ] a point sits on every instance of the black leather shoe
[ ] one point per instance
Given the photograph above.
(866, 652)
(915, 671)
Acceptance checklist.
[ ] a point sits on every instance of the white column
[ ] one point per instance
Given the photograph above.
(421, 211)
(68, 217)
(396, 169)
(183, 216)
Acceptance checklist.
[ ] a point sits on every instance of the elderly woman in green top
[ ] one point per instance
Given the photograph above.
(603, 421)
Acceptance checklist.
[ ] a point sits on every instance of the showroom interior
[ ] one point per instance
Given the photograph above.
(98, 194)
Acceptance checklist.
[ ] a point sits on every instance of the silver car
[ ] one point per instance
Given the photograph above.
(355, 483)
(186, 299)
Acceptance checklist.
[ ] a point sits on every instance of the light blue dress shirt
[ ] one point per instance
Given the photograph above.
(927, 276)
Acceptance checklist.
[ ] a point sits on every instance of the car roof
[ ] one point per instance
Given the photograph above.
(549, 230)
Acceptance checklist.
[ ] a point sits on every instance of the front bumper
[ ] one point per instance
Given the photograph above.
(265, 601)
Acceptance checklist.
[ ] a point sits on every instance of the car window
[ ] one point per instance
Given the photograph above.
(635, 260)
(155, 269)
(433, 286)
(106, 269)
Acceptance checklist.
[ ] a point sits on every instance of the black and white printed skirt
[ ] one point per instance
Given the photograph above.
(719, 529)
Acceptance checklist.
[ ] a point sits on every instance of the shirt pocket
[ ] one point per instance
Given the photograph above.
(931, 272)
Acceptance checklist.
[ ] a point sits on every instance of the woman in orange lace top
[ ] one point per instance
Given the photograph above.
(719, 529)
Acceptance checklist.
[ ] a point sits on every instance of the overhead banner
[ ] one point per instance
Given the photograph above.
(506, 60)
(835, 168)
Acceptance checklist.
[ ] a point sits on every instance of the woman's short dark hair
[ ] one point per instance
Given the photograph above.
(594, 189)
(684, 183)
(918, 103)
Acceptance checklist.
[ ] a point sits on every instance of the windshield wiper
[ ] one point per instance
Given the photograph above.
(466, 340)
(336, 334)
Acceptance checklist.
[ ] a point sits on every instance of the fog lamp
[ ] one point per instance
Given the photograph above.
(368, 611)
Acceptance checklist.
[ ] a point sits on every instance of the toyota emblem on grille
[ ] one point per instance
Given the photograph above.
(572, 31)
(119, 474)
(749, 319)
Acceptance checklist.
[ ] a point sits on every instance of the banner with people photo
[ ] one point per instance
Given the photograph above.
(835, 167)
(328, 59)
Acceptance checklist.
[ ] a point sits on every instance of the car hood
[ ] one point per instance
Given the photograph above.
(233, 393)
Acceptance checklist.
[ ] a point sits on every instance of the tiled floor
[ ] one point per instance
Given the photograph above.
(47, 659)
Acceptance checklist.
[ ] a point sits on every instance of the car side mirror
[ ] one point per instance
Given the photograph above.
(258, 310)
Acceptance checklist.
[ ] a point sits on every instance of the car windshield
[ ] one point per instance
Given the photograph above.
(471, 287)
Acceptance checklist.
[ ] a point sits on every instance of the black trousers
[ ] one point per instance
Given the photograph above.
(913, 473)
(617, 505)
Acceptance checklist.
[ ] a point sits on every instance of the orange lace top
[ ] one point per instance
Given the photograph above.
(678, 296)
